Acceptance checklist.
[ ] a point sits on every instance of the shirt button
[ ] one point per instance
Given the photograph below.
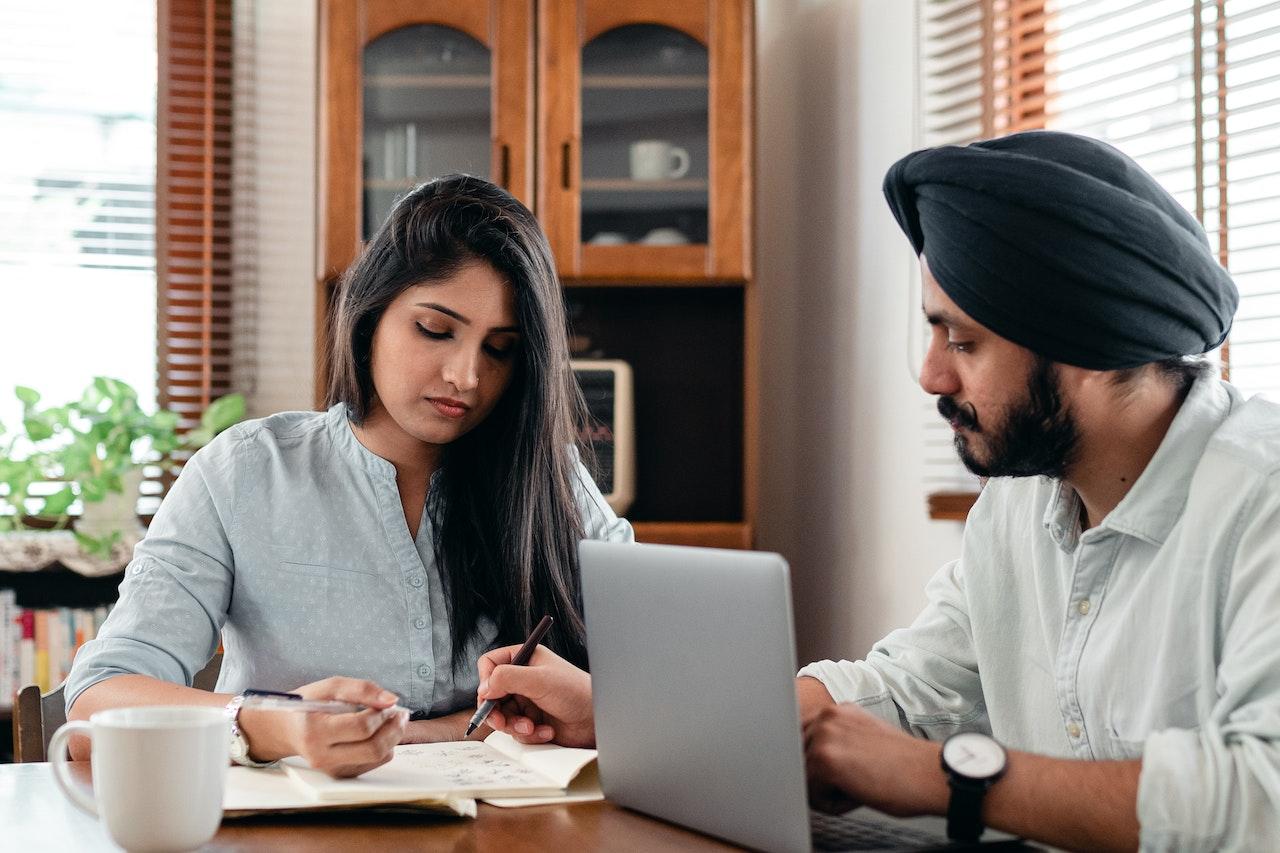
(419, 623)
(1083, 607)
(415, 582)
(424, 672)
(1073, 730)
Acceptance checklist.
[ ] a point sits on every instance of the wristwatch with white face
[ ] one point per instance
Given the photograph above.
(239, 746)
(973, 763)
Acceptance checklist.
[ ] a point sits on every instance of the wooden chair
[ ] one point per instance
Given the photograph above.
(36, 717)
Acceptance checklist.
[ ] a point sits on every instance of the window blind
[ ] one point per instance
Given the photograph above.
(1188, 88)
(194, 205)
(981, 74)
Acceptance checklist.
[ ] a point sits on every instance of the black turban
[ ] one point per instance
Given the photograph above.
(1065, 246)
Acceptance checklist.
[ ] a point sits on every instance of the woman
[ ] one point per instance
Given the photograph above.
(372, 552)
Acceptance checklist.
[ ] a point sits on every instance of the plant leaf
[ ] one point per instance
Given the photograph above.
(97, 546)
(37, 429)
(92, 489)
(58, 502)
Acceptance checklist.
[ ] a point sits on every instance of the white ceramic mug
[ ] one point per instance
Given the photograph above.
(158, 773)
(658, 160)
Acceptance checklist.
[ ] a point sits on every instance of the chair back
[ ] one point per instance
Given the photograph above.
(37, 716)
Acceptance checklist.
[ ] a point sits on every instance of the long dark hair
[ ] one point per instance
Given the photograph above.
(506, 519)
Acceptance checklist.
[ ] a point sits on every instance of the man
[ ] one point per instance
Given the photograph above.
(1110, 631)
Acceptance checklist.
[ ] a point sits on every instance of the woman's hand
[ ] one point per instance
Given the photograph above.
(341, 745)
(548, 700)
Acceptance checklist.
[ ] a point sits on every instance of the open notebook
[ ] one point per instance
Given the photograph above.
(445, 777)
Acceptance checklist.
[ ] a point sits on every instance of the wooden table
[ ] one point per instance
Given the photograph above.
(35, 816)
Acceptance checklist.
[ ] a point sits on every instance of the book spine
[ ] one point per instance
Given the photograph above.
(84, 631)
(14, 624)
(56, 635)
(68, 650)
(42, 650)
(56, 638)
(68, 646)
(27, 663)
(7, 650)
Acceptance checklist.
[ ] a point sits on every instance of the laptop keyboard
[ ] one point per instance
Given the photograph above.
(847, 832)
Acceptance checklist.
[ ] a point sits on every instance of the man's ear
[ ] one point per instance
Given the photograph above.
(1075, 381)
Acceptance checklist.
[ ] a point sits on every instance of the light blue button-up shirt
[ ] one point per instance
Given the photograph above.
(1154, 635)
(285, 537)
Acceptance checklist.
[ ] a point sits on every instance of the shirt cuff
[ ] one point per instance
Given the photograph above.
(1173, 793)
(841, 678)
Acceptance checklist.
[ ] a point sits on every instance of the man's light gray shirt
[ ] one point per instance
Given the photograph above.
(285, 538)
(1154, 635)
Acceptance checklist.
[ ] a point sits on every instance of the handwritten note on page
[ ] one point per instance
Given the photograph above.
(498, 767)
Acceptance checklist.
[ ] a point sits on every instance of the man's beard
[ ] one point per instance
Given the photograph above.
(1038, 436)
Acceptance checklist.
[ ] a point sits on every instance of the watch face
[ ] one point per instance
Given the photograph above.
(973, 755)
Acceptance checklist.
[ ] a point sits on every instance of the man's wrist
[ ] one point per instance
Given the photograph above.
(931, 788)
(811, 696)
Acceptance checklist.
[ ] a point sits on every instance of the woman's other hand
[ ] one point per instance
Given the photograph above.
(549, 700)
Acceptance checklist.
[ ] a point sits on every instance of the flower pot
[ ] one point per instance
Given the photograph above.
(115, 512)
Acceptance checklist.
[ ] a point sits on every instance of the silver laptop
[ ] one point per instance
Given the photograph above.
(693, 664)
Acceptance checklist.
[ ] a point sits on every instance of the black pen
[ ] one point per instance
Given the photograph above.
(521, 658)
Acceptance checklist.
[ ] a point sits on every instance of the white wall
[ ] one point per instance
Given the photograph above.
(281, 209)
(841, 454)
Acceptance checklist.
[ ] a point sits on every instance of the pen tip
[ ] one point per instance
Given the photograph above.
(470, 728)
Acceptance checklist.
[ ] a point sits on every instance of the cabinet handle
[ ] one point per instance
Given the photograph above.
(504, 167)
(564, 165)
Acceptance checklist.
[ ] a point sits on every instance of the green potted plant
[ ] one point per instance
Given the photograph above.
(96, 447)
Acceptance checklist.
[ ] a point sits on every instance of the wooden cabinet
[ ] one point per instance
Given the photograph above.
(626, 126)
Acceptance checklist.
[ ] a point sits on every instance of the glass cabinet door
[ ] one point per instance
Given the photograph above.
(644, 114)
(644, 155)
(427, 112)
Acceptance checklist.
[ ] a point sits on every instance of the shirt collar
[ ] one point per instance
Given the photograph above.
(350, 447)
(1154, 503)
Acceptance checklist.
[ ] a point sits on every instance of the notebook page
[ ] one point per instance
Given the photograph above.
(560, 764)
(429, 770)
(585, 788)
(257, 791)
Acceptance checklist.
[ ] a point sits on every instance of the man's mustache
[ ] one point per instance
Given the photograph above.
(961, 414)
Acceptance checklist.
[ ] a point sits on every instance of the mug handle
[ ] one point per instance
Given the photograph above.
(680, 159)
(58, 762)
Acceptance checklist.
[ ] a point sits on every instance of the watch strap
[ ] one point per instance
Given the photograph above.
(238, 745)
(964, 810)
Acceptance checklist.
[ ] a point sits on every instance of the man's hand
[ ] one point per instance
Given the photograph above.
(341, 745)
(548, 700)
(854, 759)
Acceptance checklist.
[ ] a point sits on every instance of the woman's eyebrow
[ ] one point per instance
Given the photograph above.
(434, 306)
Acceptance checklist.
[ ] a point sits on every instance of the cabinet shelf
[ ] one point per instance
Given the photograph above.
(427, 81)
(705, 534)
(645, 81)
(629, 185)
